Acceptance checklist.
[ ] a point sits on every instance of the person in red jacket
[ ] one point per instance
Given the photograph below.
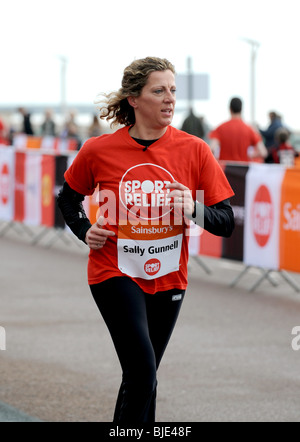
(282, 151)
(3, 138)
(235, 140)
(148, 174)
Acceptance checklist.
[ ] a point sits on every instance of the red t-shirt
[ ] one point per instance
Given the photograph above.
(235, 137)
(151, 243)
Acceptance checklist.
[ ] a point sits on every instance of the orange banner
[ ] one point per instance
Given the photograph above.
(33, 142)
(290, 221)
(47, 193)
(47, 143)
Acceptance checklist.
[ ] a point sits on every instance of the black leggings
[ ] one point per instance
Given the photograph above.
(140, 325)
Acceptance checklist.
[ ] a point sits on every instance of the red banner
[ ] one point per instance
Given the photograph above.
(7, 160)
(19, 214)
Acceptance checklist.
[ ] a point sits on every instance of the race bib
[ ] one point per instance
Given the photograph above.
(149, 255)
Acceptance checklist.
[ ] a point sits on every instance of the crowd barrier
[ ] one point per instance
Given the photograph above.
(29, 184)
(266, 207)
(267, 216)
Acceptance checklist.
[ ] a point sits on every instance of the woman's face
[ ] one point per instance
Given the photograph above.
(154, 108)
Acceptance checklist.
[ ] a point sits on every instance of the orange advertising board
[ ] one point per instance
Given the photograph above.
(47, 190)
(290, 221)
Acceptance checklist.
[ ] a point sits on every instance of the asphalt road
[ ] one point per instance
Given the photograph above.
(230, 358)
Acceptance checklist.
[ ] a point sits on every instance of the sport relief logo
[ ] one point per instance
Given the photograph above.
(262, 216)
(143, 191)
(152, 267)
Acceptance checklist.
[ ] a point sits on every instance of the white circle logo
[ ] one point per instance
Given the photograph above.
(143, 191)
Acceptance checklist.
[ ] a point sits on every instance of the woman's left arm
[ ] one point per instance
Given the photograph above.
(217, 219)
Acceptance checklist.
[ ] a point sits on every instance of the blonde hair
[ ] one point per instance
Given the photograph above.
(116, 106)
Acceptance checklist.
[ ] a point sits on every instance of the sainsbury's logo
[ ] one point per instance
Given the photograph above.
(291, 217)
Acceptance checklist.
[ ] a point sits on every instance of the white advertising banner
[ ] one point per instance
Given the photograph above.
(33, 187)
(7, 172)
(262, 206)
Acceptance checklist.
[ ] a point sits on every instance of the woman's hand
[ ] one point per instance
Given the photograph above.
(96, 236)
(182, 198)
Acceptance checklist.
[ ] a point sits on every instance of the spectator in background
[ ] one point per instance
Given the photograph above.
(3, 133)
(193, 125)
(235, 140)
(71, 129)
(26, 127)
(95, 129)
(48, 126)
(281, 147)
(269, 133)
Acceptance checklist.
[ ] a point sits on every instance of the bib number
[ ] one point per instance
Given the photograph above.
(149, 259)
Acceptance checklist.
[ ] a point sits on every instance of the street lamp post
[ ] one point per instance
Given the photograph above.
(254, 48)
(190, 82)
(63, 88)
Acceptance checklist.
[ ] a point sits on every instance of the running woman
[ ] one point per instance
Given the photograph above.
(148, 174)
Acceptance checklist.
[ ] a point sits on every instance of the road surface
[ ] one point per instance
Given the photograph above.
(230, 358)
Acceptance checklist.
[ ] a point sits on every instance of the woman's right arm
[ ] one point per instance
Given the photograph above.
(70, 203)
